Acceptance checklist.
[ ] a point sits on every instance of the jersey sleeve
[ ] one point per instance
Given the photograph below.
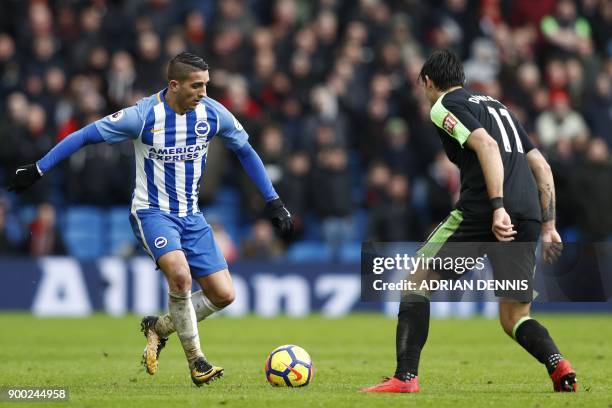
(230, 130)
(125, 124)
(455, 119)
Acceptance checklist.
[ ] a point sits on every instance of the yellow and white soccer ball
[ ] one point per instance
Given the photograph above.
(289, 366)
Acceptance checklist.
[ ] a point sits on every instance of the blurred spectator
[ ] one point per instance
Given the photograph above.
(9, 231)
(377, 180)
(291, 121)
(11, 129)
(599, 14)
(372, 128)
(88, 164)
(598, 109)
(238, 100)
(294, 187)
(529, 12)
(272, 153)
(26, 140)
(560, 122)
(228, 50)
(160, 14)
(484, 63)
(55, 99)
(326, 29)
(592, 199)
(326, 125)
(262, 244)
(235, 14)
(10, 70)
(121, 77)
(563, 162)
(395, 219)
(332, 196)
(89, 26)
(44, 236)
(6, 246)
(522, 94)
(195, 35)
(396, 150)
(150, 66)
(446, 25)
(567, 32)
(443, 186)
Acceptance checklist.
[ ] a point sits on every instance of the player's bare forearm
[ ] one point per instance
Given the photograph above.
(490, 161)
(489, 157)
(546, 186)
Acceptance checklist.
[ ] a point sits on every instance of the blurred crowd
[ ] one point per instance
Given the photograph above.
(327, 91)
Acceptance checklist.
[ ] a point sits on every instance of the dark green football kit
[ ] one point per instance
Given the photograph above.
(466, 232)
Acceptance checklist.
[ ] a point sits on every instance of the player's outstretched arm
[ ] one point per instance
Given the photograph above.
(25, 176)
(490, 161)
(275, 209)
(546, 187)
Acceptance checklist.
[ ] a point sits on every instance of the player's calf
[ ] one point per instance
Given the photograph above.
(203, 307)
(537, 341)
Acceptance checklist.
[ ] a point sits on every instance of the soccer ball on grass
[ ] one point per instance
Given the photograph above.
(289, 366)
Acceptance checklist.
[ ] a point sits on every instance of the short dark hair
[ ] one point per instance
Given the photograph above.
(444, 68)
(183, 64)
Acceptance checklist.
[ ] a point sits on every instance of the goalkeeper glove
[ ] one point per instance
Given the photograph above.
(24, 177)
(280, 216)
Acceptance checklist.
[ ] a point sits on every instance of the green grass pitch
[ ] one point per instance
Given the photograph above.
(465, 362)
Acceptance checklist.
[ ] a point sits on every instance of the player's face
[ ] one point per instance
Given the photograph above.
(429, 89)
(192, 89)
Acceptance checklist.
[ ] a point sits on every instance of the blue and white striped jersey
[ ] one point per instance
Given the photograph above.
(170, 149)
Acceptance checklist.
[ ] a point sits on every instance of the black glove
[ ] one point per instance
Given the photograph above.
(23, 178)
(280, 216)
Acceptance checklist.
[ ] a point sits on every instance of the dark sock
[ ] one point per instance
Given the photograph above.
(535, 339)
(412, 331)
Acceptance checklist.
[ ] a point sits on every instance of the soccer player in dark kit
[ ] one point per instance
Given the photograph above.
(507, 200)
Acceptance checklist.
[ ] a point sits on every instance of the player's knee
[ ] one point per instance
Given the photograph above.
(225, 298)
(180, 283)
(178, 274)
(180, 278)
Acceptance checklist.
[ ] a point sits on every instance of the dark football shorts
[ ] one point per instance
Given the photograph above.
(513, 263)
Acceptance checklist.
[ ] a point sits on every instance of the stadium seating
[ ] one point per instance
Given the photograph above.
(312, 227)
(307, 251)
(360, 225)
(350, 252)
(83, 232)
(120, 238)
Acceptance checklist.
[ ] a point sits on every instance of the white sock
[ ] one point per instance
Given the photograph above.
(184, 319)
(203, 308)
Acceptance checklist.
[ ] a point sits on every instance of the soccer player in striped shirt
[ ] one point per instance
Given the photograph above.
(171, 131)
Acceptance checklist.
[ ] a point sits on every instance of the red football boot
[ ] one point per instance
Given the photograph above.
(395, 385)
(564, 377)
